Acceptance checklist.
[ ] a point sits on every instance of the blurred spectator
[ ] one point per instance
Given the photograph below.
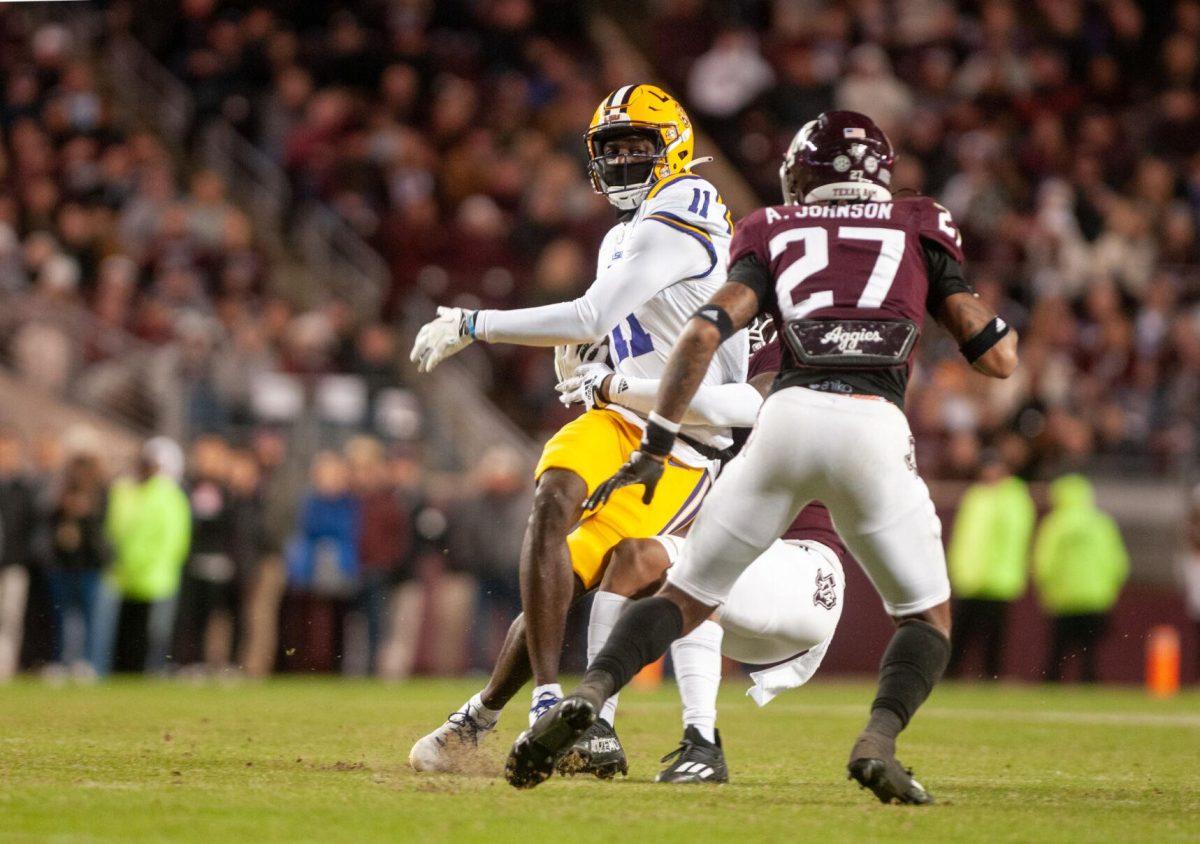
(49, 454)
(1079, 566)
(247, 543)
(384, 540)
(408, 605)
(1190, 572)
(149, 526)
(323, 556)
(277, 479)
(209, 614)
(323, 565)
(79, 553)
(870, 87)
(988, 561)
(16, 521)
(486, 533)
(729, 76)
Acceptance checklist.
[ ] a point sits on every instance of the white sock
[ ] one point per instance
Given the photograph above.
(553, 689)
(606, 609)
(697, 661)
(483, 716)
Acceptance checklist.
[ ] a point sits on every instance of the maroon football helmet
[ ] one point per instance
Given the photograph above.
(840, 156)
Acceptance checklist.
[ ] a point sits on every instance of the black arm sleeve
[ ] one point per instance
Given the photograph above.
(945, 276)
(749, 271)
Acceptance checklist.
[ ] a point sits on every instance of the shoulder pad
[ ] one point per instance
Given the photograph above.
(677, 188)
(749, 237)
(692, 199)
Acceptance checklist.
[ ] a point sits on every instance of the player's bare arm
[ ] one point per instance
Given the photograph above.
(970, 321)
(730, 309)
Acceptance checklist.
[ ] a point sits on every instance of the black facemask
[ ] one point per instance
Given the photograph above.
(634, 169)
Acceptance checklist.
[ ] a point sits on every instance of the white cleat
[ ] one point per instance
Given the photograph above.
(544, 703)
(452, 747)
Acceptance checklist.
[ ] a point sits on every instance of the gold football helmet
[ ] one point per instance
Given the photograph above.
(642, 110)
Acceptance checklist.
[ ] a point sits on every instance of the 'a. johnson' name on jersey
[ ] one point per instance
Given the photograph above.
(853, 261)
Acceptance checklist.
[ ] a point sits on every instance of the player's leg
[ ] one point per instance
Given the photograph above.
(888, 521)
(584, 453)
(451, 746)
(546, 579)
(548, 588)
(635, 568)
(699, 758)
(578, 457)
(749, 507)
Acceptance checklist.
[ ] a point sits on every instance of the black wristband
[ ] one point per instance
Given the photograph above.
(988, 336)
(716, 315)
(657, 440)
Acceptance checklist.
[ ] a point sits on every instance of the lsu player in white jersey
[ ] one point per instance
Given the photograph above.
(657, 267)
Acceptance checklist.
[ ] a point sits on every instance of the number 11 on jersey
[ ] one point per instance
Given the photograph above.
(640, 341)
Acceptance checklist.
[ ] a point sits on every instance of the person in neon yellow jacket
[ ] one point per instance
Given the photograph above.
(1079, 565)
(149, 525)
(988, 560)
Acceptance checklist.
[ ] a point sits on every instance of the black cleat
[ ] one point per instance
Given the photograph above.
(889, 780)
(695, 760)
(535, 752)
(598, 752)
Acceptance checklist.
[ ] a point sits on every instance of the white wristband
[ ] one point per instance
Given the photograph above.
(663, 422)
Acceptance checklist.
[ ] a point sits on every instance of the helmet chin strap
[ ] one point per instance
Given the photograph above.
(866, 191)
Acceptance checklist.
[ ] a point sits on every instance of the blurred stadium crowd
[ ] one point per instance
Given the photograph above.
(1061, 135)
(211, 564)
(448, 135)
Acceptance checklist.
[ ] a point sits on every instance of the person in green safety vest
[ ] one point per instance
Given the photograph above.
(988, 560)
(149, 525)
(1079, 566)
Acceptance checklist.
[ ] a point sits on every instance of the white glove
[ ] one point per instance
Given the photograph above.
(445, 335)
(585, 386)
(569, 358)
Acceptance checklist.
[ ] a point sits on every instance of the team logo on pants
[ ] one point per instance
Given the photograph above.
(826, 594)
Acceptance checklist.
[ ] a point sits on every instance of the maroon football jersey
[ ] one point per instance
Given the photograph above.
(813, 522)
(854, 261)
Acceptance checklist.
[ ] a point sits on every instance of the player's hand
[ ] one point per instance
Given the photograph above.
(568, 358)
(451, 331)
(586, 386)
(640, 468)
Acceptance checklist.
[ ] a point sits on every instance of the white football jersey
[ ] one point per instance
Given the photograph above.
(640, 344)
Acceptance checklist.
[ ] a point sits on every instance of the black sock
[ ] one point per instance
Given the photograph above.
(911, 666)
(642, 634)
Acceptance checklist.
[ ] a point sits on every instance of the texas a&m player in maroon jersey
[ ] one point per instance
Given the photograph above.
(848, 273)
(780, 615)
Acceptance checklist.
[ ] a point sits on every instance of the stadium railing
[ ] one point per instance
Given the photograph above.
(322, 253)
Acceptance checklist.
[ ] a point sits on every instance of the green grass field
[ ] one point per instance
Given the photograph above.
(325, 760)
